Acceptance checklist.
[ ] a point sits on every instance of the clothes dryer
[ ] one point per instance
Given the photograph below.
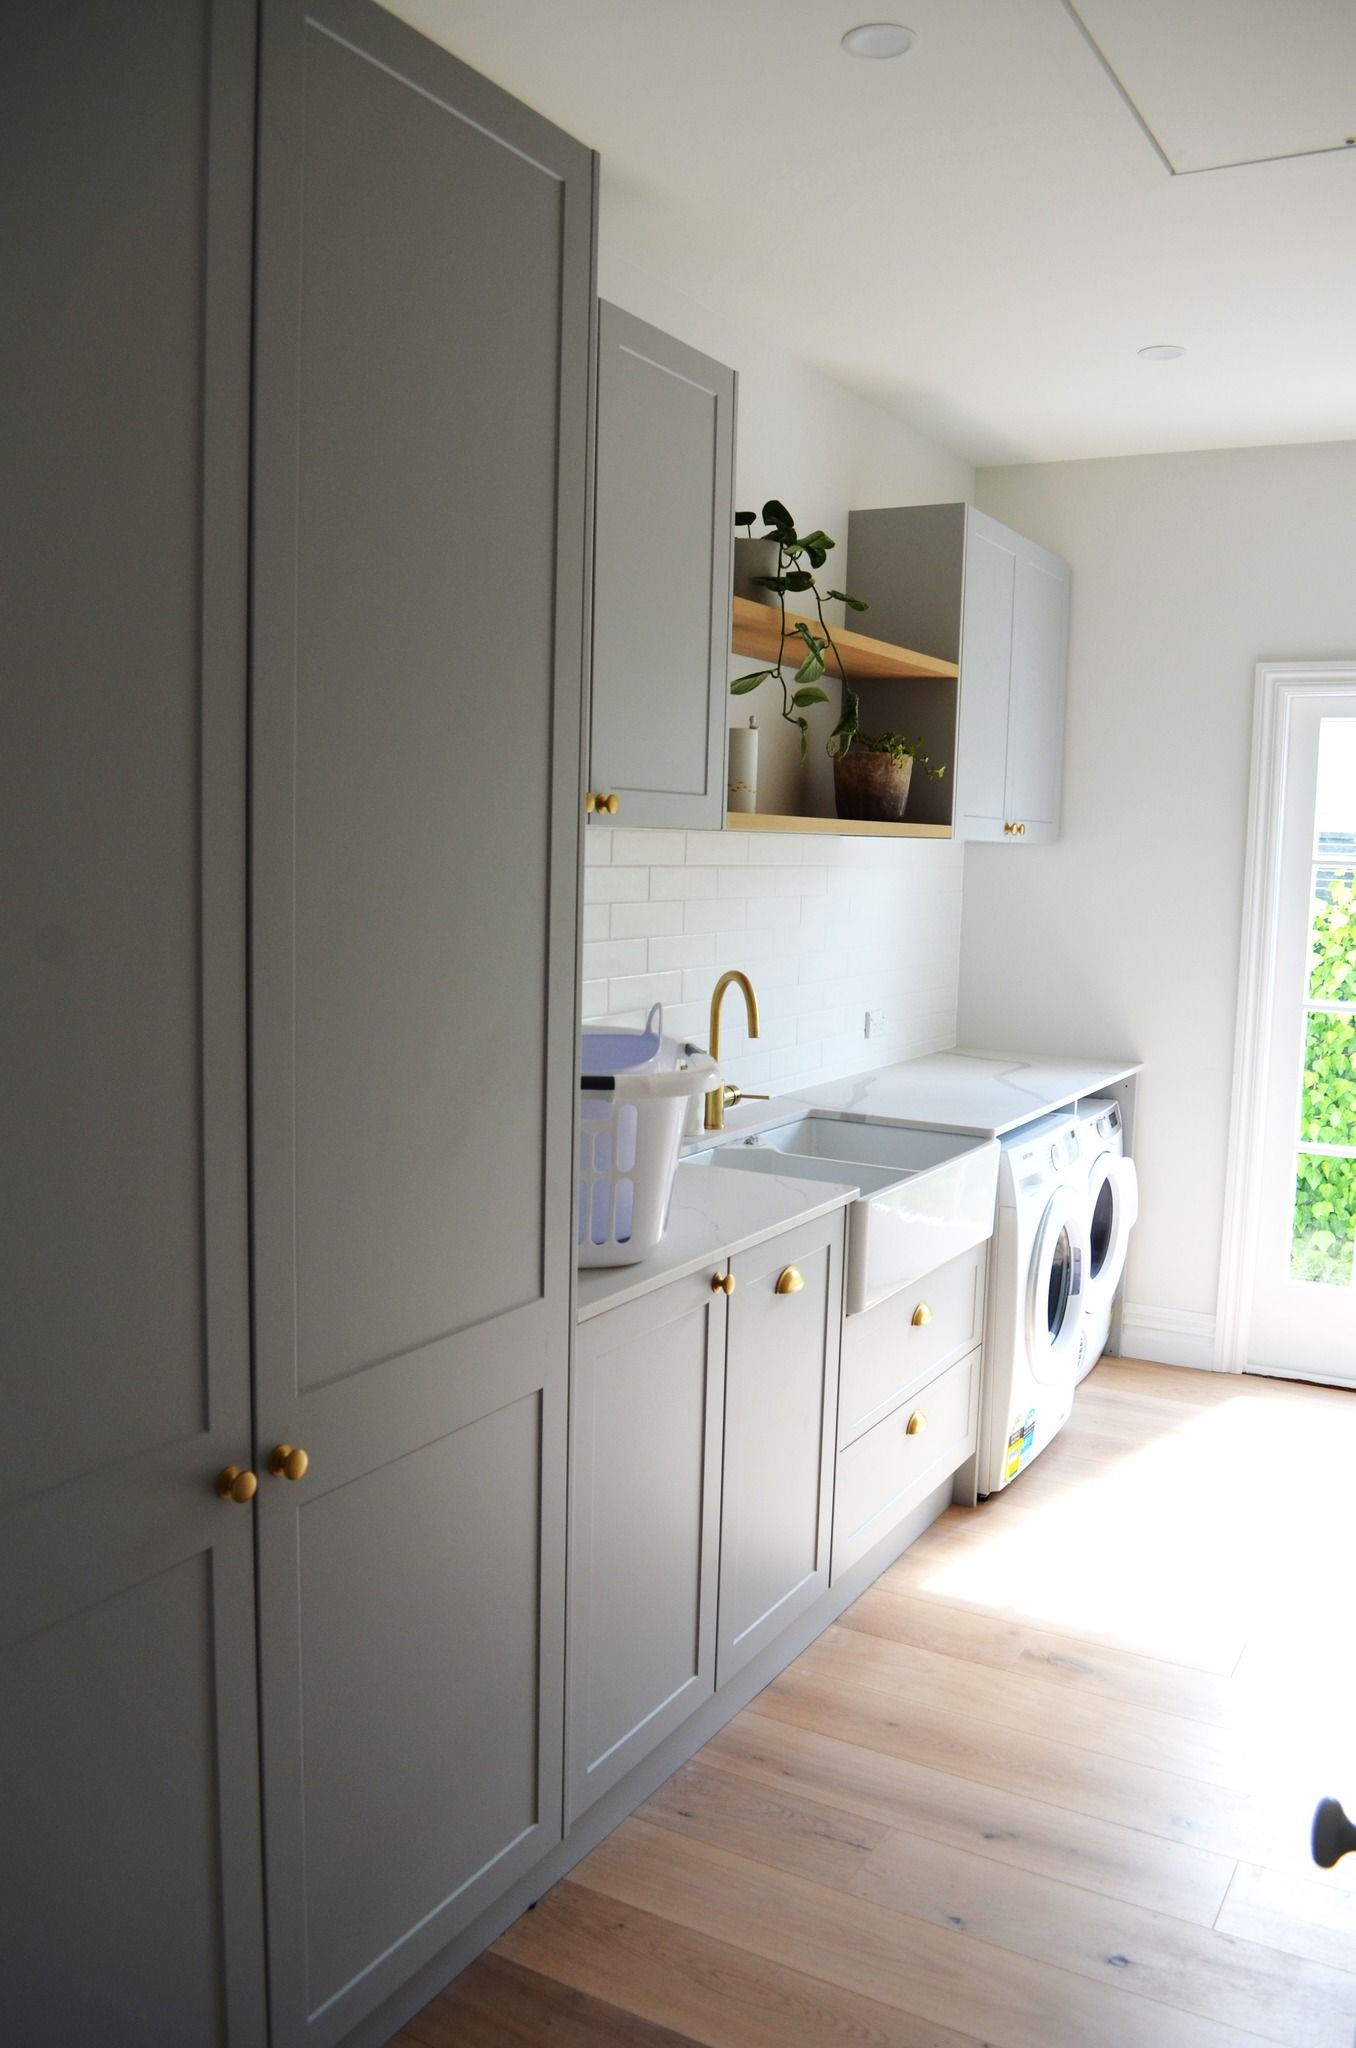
(1034, 1325)
(1112, 1207)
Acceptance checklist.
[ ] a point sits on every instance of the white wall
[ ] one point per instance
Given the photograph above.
(1124, 936)
(827, 928)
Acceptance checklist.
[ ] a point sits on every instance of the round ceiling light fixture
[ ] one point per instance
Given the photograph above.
(879, 39)
(1162, 352)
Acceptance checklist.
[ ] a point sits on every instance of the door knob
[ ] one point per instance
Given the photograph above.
(1334, 1836)
(233, 1483)
(288, 1461)
(722, 1283)
(790, 1280)
(921, 1315)
(917, 1423)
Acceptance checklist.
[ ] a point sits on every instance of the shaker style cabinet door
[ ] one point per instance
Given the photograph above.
(425, 291)
(644, 1526)
(130, 1895)
(662, 553)
(781, 1403)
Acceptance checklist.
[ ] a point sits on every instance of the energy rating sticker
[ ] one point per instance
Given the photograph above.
(1019, 1444)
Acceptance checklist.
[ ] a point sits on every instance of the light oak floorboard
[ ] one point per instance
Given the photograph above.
(1047, 1785)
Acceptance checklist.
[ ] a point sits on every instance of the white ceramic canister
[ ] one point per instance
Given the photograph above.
(742, 791)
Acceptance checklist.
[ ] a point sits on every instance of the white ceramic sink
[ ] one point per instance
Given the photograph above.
(923, 1196)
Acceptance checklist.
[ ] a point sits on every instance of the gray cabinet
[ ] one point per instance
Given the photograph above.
(952, 582)
(424, 304)
(662, 551)
(644, 1526)
(130, 1896)
(781, 1387)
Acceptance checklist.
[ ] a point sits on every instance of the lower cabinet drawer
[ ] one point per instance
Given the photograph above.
(902, 1343)
(887, 1472)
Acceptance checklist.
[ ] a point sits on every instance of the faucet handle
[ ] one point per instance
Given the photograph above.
(734, 1095)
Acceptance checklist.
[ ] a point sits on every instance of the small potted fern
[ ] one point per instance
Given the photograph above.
(870, 776)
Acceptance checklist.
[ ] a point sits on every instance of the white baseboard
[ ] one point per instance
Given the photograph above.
(1168, 1336)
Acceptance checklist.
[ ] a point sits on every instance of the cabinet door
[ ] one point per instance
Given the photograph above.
(663, 547)
(424, 301)
(644, 1527)
(985, 683)
(781, 1389)
(1035, 747)
(130, 1895)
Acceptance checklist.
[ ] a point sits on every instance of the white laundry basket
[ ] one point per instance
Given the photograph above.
(635, 1090)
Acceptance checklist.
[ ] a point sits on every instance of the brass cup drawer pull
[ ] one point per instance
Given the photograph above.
(790, 1280)
(233, 1483)
(921, 1316)
(916, 1424)
(288, 1461)
(722, 1283)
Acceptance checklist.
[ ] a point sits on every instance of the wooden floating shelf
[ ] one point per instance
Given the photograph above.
(842, 828)
(757, 633)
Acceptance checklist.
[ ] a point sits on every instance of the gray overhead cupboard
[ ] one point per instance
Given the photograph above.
(955, 583)
(289, 435)
(662, 563)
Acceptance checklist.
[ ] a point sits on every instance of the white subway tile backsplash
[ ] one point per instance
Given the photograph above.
(826, 928)
(597, 847)
(615, 956)
(616, 885)
(648, 849)
(646, 920)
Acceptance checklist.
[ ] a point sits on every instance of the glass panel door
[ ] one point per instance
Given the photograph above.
(1304, 1289)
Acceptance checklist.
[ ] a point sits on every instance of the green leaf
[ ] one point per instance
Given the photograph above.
(745, 518)
(775, 514)
(743, 684)
(817, 556)
(812, 668)
(804, 725)
(804, 698)
(799, 579)
(818, 539)
(815, 646)
(772, 582)
(854, 604)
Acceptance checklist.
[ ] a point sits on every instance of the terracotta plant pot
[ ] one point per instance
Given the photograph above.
(755, 558)
(871, 786)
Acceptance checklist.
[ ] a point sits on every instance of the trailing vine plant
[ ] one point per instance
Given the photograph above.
(794, 551)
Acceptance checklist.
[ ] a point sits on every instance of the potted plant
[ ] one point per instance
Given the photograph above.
(871, 782)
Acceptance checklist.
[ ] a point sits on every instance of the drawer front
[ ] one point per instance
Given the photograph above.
(887, 1472)
(887, 1354)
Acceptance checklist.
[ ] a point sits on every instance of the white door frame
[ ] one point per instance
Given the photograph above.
(1280, 686)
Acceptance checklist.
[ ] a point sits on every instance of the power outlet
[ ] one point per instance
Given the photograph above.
(875, 1024)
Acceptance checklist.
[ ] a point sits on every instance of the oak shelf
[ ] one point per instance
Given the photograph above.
(757, 633)
(842, 828)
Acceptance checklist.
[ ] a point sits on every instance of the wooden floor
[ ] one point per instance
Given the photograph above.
(1048, 1782)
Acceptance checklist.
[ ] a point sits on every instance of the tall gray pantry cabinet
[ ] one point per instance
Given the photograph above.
(286, 403)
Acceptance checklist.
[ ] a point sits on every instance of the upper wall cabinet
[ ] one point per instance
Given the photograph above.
(949, 579)
(663, 536)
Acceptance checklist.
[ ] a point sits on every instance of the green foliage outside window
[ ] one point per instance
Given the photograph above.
(1324, 1239)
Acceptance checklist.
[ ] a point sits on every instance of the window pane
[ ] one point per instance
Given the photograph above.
(1335, 796)
(1332, 936)
(1328, 1103)
(1324, 1232)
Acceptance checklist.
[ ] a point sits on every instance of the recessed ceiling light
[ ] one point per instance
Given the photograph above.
(1162, 352)
(879, 39)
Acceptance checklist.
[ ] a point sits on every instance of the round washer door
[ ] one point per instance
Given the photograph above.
(1113, 1205)
(1056, 1285)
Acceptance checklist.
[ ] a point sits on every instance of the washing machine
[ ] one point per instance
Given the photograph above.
(1034, 1324)
(1112, 1206)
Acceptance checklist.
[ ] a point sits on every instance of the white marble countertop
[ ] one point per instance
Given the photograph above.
(981, 1094)
(715, 1212)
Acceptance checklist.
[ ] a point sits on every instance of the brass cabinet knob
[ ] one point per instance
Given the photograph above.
(1019, 830)
(235, 1484)
(722, 1283)
(608, 804)
(917, 1423)
(790, 1280)
(288, 1461)
(590, 803)
(921, 1315)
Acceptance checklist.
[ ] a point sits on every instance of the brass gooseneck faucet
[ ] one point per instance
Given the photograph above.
(723, 1098)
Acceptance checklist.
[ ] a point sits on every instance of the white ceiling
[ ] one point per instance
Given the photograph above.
(982, 234)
